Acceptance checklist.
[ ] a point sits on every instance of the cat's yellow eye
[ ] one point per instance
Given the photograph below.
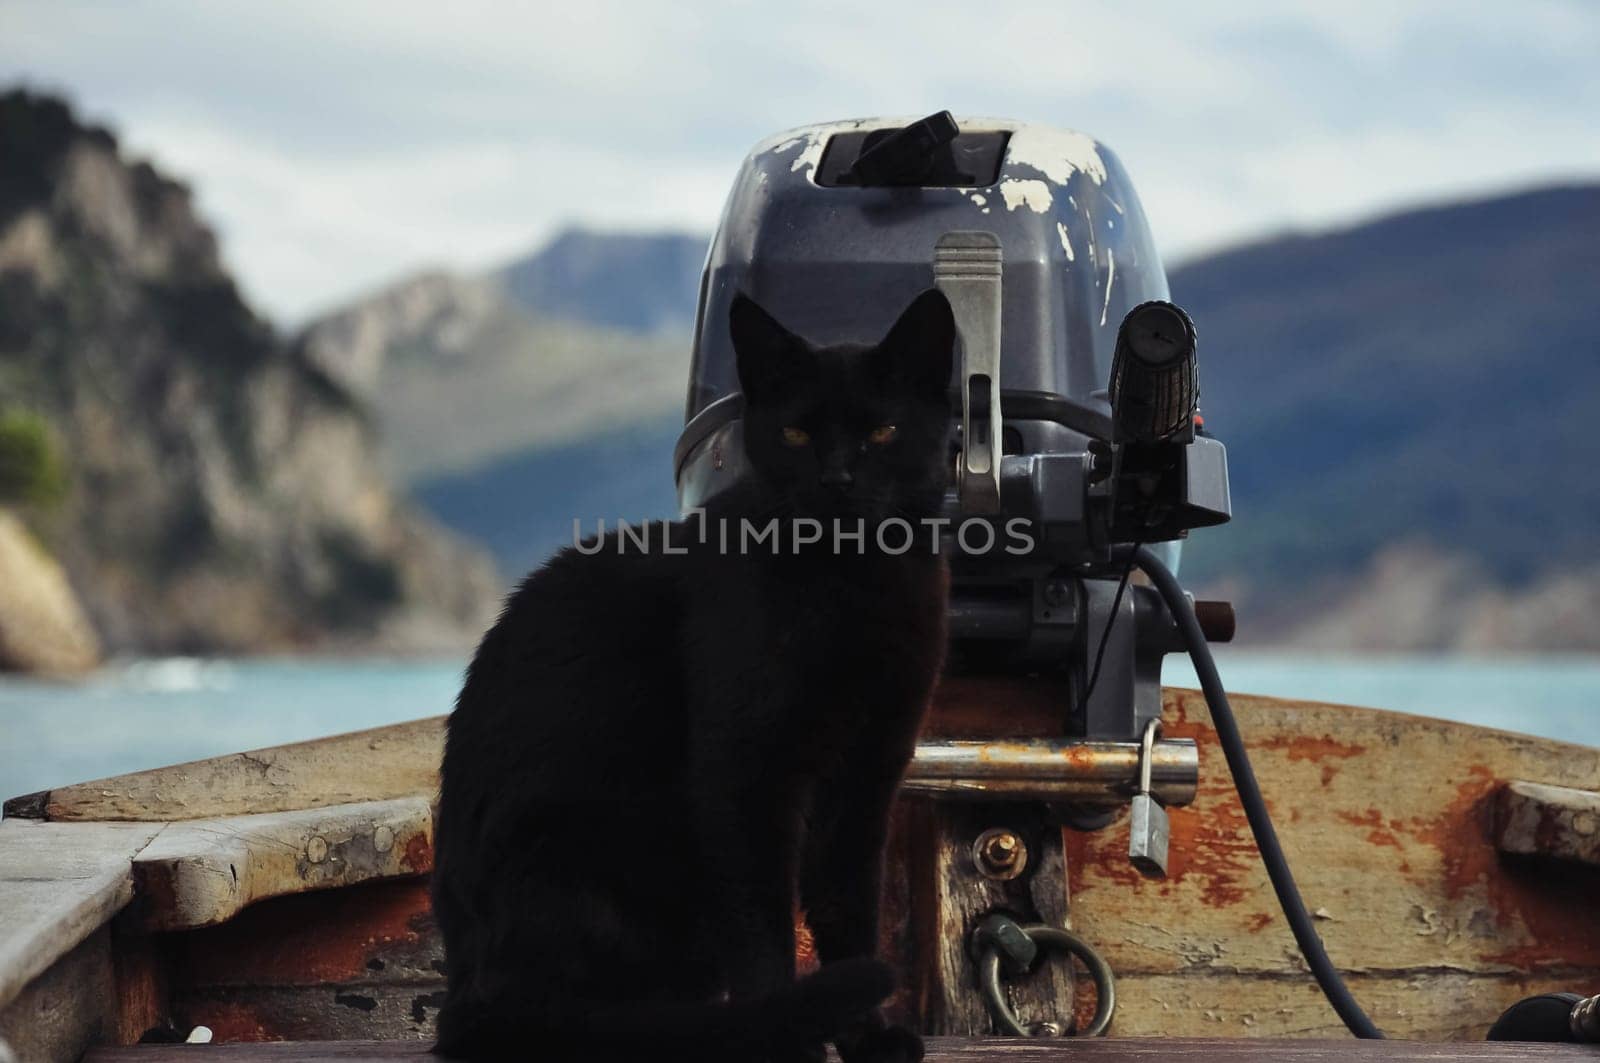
(881, 434)
(796, 437)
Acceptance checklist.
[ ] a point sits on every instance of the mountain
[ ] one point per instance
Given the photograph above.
(216, 490)
(1405, 403)
(515, 401)
(638, 282)
(522, 507)
(1428, 376)
(463, 374)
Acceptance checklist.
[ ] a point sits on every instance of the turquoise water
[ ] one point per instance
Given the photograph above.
(149, 713)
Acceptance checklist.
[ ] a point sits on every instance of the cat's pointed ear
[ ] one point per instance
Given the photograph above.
(919, 351)
(768, 354)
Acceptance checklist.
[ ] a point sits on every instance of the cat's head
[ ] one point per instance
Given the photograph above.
(849, 431)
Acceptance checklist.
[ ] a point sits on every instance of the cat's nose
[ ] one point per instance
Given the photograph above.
(837, 477)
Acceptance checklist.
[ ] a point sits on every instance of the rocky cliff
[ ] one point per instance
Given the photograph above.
(221, 491)
(462, 373)
(42, 626)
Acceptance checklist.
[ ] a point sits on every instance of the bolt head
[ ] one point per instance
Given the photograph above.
(1000, 854)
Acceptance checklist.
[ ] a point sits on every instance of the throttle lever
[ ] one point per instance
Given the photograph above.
(967, 269)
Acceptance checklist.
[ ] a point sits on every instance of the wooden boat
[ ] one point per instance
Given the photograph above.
(281, 894)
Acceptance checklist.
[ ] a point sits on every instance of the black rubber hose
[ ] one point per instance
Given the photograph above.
(1255, 808)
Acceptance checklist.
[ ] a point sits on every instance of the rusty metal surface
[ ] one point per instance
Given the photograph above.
(1554, 822)
(1089, 773)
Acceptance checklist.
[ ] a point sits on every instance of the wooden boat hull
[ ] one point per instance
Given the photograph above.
(1397, 828)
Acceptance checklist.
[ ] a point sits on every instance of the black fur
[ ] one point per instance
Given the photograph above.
(654, 753)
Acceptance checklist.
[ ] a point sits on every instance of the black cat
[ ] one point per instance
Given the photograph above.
(654, 752)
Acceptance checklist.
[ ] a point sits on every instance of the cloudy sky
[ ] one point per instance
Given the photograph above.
(336, 144)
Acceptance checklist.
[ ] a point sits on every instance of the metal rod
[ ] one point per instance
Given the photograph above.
(1080, 772)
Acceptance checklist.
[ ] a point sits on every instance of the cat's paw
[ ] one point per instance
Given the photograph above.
(891, 1044)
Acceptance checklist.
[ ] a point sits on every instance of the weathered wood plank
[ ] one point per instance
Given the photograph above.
(1554, 822)
(940, 1050)
(1388, 823)
(1436, 1005)
(359, 963)
(962, 893)
(62, 882)
(202, 872)
(63, 1011)
(401, 760)
(59, 882)
(1388, 819)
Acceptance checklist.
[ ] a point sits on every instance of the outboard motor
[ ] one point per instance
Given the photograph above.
(1079, 455)
(1078, 422)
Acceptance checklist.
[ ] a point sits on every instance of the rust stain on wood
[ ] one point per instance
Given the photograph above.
(418, 854)
(237, 1021)
(1389, 824)
(313, 939)
(1319, 749)
(1379, 832)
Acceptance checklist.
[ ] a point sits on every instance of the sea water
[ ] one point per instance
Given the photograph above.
(145, 714)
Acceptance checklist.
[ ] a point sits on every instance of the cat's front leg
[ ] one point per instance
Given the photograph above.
(750, 838)
(842, 882)
(748, 830)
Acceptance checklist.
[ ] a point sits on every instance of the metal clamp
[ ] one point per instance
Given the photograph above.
(998, 941)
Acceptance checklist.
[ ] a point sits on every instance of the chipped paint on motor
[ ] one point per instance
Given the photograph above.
(811, 140)
(1057, 153)
(1035, 195)
(1066, 240)
(810, 156)
(1111, 278)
